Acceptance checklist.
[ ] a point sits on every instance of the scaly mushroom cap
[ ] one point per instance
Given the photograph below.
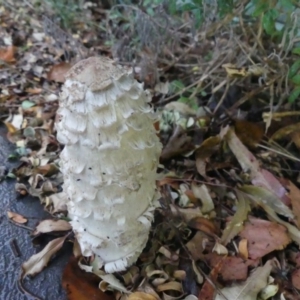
(109, 161)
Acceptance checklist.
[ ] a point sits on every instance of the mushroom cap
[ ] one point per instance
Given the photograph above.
(97, 73)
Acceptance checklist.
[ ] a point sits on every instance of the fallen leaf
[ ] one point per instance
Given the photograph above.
(294, 195)
(47, 170)
(197, 245)
(170, 286)
(249, 133)
(81, 285)
(285, 132)
(27, 104)
(264, 237)
(141, 296)
(34, 91)
(39, 261)
(232, 267)
(208, 289)
(296, 138)
(262, 196)
(294, 233)
(233, 71)
(47, 226)
(57, 202)
(201, 192)
(296, 278)
(248, 162)
(205, 151)
(203, 224)
(16, 217)
(237, 222)
(248, 290)
(178, 143)
(243, 249)
(57, 72)
(8, 54)
(180, 107)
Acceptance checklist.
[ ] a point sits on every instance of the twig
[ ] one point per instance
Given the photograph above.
(20, 285)
(21, 225)
(15, 248)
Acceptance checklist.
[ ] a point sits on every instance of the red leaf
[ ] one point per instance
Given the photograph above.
(81, 285)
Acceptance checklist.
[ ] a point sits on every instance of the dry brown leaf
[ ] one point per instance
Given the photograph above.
(208, 289)
(180, 107)
(58, 201)
(34, 91)
(8, 54)
(47, 170)
(81, 285)
(201, 192)
(294, 232)
(233, 71)
(16, 217)
(37, 262)
(294, 195)
(170, 286)
(296, 138)
(248, 290)
(243, 249)
(237, 222)
(248, 162)
(141, 296)
(57, 72)
(47, 226)
(232, 267)
(262, 196)
(285, 132)
(249, 133)
(204, 152)
(264, 237)
(186, 213)
(178, 143)
(296, 278)
(197, 245)
(76, 249)
(204, 225)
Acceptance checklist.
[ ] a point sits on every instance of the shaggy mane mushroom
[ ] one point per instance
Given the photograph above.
(109, 160)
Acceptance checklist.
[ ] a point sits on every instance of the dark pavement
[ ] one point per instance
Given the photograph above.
(47, 284)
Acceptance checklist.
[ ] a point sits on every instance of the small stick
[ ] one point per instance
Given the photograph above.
(15, 248)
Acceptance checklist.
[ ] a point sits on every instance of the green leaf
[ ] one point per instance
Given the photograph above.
(260, 9)
(294, 94)
(176, 86)
(294, 68)
(296, 79)
(190, 102)
(27, 104)
(269, 21)
(11, 175)
(13, 156)
(287, 5)
(296, 51)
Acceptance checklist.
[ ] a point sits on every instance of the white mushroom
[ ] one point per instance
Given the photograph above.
(109, 160)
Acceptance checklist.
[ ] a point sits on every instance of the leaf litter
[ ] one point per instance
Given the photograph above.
(230, 185)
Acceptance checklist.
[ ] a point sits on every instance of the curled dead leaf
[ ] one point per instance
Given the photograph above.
(47, 226)
(16, 217)
(37, 262)
(141, 296)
